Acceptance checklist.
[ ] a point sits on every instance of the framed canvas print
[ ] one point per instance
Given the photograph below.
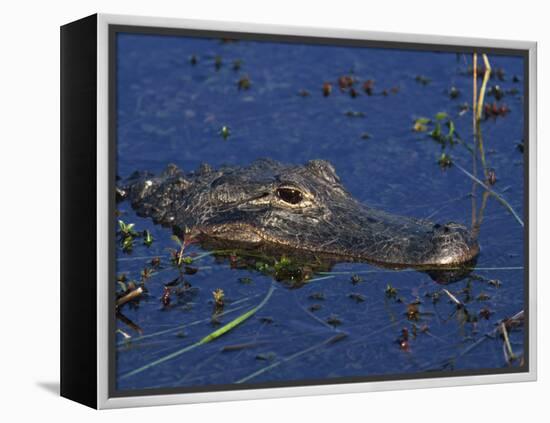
(254, 211)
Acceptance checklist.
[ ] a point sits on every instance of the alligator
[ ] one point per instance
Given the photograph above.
(299, 207)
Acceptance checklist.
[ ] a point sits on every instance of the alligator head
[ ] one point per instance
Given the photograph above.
(297, 207)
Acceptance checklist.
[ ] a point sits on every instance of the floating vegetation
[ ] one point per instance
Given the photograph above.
(444, 161)
(166, 296)
(413, 312)
(454, 92)
(368, 87)
(225, 132)
(403, 340)
(421, 124)
(423, 80)
(494, 110)
(444, 137)
(491, 177)
(495, 283)
(496, 91)
(485, 313)
(127, 235)
(219, 297)
(147, 238)
(345, 82)
(355, 279)
(483, 297)
(358, 298)
(334, 320)
(315, 307)
(520, 146)
(327, 89)
(244, 83)
(366, 136)
(390, 291)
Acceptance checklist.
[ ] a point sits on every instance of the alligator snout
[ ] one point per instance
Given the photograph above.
(453, 244)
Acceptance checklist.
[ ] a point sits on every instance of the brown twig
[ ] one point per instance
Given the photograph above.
(509, 355)
(129, 296)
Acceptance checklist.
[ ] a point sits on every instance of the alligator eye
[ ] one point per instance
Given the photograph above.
(290, 195)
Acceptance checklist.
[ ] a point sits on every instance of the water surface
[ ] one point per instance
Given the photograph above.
(171, 111)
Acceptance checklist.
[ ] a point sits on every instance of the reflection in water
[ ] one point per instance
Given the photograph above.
(296, 267)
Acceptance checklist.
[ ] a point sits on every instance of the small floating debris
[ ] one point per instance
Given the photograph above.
(165, 299)
(390, 291)
(237, 65)
(327, 89)
(193, 60)
(496, 91)
(421, 124)
(334, 320)
(345, 82)
(494, 110)
(368, 87)
(495, 283)
(485, 313)
(225, 132)
(423, 80)
(520, 146)
(130, 296)
(491, 177)
(454, 92)
(304, 93)
(147, 238)
(444, 161)
(403, 340)
(219, 297)
(366, 136)
(358, 298)
(483, 297)
(413, 313)
(355, 279)
(355, 114)
(244, 83)
(315, 307)
(463, 109)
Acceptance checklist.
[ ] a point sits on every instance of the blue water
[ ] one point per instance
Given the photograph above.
(171, 111)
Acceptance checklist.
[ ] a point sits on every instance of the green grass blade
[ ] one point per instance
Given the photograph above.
(499, 198)
(214, 335)
(235, 322)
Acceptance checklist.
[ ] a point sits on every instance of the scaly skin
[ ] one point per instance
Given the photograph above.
(297, 207)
